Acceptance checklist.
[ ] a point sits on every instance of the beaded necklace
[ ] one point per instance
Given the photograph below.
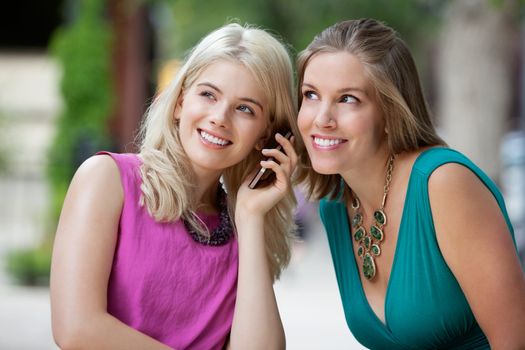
(369, 243)
(222, 233)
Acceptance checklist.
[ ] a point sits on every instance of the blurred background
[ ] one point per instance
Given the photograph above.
(76, 77)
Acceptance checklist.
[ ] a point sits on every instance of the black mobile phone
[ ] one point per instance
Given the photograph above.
(265, 176)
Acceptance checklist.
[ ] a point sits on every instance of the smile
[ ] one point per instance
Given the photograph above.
(213, 139)
(322, 142)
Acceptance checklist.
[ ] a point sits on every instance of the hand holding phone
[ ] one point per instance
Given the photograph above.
(265, 176)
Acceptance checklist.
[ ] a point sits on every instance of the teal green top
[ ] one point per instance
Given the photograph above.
(424, 305)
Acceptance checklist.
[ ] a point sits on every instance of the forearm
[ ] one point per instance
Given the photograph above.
(256, 320)
(102, 331)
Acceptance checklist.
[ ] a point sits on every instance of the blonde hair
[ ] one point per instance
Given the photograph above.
(166, 172)
(393, 74)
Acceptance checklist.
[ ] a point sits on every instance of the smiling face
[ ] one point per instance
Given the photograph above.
(340, 119)
(222, 116)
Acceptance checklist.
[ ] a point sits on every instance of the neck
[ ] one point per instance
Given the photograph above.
(206, 190)
(367, 181)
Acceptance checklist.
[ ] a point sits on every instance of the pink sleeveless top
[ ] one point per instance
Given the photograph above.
(162, 282)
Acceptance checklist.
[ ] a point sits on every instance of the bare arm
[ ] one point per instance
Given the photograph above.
(476, 244)
(82, 258)
(256, 320)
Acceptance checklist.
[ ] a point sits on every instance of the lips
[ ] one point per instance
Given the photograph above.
(213, 139)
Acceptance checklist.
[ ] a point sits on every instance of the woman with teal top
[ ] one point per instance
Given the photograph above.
(421, 242)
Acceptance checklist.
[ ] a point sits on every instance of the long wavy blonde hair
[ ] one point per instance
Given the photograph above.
(167, 175)
(393, 74)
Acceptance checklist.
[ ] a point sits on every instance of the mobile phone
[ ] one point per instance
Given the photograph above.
(265, 176)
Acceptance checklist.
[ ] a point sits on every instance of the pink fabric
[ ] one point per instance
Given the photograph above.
(165, 284)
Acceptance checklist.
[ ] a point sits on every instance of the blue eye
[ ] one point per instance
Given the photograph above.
(245, 109)
(207, 94)
(348, 99)
(310, 95)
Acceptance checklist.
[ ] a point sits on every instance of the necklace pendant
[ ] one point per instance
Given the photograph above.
(380, 217)
(377, 233)
(357, 220)
(369, 243)
(359, 233)
(369, 266)
(360, 251)
(375, 249)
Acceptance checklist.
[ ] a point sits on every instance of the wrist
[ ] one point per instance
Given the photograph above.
(248, 219)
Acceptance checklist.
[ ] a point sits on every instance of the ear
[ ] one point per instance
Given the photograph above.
(178, 106)
(263, 140)
(260, 144)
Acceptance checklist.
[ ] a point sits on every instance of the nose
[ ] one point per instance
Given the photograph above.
(219, 116)
(325, 118)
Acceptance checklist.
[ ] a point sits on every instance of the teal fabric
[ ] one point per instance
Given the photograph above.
(424, 306)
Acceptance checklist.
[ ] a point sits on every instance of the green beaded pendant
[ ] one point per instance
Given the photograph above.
(359, 233)
(380, 217)
(360, 251)
(367, 241)
(357, 220)
(377, 233)
(369, 266)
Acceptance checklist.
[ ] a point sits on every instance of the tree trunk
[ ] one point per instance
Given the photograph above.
(475, 78)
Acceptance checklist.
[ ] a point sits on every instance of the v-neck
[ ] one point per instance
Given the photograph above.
(396, 253)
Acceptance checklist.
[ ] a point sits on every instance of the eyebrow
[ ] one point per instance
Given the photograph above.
(247, 99)
(340, 91)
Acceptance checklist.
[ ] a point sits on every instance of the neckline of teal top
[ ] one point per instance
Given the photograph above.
(382, 324)
(446, 299)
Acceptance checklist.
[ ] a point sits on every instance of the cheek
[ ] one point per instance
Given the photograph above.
(304, 120)
(253, 134)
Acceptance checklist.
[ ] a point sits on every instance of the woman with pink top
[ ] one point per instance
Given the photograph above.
(153, 250)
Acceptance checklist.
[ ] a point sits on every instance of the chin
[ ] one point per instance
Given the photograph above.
(324, 169)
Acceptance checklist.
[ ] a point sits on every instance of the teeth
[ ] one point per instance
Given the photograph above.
(213, 139)
(326, 142)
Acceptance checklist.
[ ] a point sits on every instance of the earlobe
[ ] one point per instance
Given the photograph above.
(263, 140)
(260, 144)
(178, 106)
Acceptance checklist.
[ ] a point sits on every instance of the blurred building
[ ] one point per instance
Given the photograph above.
(29, 104)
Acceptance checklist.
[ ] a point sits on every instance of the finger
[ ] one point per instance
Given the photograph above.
(284, 142)
(288, 147)
(292, 154)
(280, 158)
(277, 155)
(285, 146)
(282, 176)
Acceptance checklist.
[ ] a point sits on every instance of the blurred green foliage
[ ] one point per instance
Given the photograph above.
(3, 146)
(298, 21)
(84, 51)
(30, 267)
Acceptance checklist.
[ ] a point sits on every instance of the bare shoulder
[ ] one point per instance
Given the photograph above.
(454, 184)
(98, 165)
(452, 174)
(96, 188)
(476, 244)
(99, 172)
(464, 208)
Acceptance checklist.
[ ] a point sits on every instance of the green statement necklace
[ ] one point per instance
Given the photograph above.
(369, 243)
